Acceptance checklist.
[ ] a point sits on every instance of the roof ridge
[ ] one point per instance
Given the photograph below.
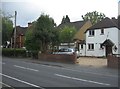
(105, 23)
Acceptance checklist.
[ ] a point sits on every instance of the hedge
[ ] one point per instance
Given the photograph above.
(11, 52)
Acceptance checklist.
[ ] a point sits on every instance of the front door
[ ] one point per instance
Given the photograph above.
(108, 50)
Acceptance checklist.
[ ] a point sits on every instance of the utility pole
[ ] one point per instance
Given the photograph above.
(15, 33)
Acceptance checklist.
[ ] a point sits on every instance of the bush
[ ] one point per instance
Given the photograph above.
(11, 52)
(35, 54)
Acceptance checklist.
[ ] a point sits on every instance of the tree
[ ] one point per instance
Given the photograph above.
(42, 34)
(67, 34)
(55, 39)
(94, 17)
(65, 19)
(7, 28)
(31, 43)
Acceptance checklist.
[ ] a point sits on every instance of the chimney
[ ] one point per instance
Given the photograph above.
(113, 18)
(29, 24)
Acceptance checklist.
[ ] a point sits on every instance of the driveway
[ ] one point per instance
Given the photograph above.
(89, 61)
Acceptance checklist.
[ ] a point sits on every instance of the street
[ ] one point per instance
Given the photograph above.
(18, 73)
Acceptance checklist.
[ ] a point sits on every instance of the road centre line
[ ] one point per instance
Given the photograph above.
(5, 84)
(80, 71)
(82, 79)
(33, 85)
(25, 68)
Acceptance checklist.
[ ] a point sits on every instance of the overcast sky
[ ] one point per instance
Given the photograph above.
(30, 10)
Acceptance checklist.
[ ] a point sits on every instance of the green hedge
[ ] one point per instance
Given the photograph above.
(10, 52)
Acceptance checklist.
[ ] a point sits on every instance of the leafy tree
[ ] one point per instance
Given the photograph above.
(31, 42)
(7, 28)
(65, 19)
(42, 34)
(67, 34)
(94, 17)
(55, 39)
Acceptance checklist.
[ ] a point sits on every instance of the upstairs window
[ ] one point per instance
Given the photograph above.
(102, 31)
(91, 32)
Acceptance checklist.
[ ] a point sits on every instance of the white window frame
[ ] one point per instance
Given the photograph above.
(102, 31)
(91, 32)
(81, 46)
(91, 47)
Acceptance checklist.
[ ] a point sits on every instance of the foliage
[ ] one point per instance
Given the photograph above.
(30, 41)
(7, 28)
(55, 39)
(13, 52)
(41, 34)
(94, 17)
(65, 19)
(67, 34)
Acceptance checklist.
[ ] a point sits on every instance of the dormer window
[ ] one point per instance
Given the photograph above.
(91, 32)
(102, 31)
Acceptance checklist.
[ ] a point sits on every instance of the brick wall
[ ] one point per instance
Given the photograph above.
(113, 61)
(58, 58)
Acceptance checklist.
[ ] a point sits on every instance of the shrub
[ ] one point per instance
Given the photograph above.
(35, 54)
(11, 52)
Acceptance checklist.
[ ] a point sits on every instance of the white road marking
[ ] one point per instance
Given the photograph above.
(82, 79)
(2, 63)
(5, 84)
(25, 68)
(33, 85)
(80, 71)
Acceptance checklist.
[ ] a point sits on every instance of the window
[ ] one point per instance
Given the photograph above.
(81, 46)
(102, 31)
(91, 33)
(101, 47)
(90, 46)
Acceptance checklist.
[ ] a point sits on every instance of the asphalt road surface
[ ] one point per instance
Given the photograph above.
(17, 73)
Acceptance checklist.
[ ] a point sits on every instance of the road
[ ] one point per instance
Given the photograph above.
(18, 73)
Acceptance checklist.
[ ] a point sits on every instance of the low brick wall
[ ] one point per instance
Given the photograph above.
(58, 58)
(113, 61)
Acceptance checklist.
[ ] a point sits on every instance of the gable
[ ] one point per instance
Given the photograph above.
(80, 35)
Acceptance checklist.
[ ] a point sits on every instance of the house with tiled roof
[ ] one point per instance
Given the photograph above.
(102, 39)
(20, 37)
(81, 27)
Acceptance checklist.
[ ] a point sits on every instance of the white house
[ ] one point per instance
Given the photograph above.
(102, 39)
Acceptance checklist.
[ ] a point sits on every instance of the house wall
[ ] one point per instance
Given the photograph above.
(97, 39)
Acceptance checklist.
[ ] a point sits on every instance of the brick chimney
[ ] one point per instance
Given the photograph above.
(29, 24)
(113, 18)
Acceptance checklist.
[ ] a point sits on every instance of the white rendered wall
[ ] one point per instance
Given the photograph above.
(82, 51)
(97, 39)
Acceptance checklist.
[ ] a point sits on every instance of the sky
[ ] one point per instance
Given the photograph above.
(30, 10)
